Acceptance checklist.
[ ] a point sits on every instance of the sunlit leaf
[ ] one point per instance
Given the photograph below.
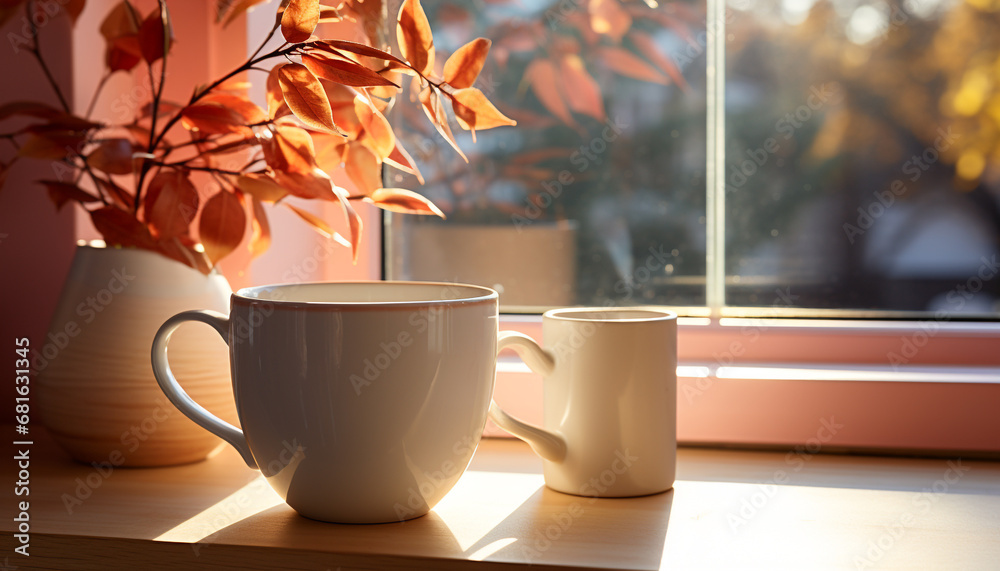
(582, 91)
(213, 118)
(155, 36)
(463, 67)
(248, 110)
(289, 149)
(353, 221)
(275, 99)
(607, 17)
(363, 167)
(337, 46)
(406, 201)
(299, 20)
(306, 98)
(113, 156)
(62, 192)
(319, 225)
(343, 72)
(261, 186)
(222, 224)
(170, 204)
(413, 32)
(312, 184)
(628, 64)
(431, 102)
(474, 111)
(377, 128)
(260, 238)
(543, 77)
(402, 160)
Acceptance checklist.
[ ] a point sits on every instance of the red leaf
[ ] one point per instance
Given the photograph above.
(155, 35)
(299, 20)
(609, 18)
(344, 72)
(628, 64)
(122, 20)
(171, 204)
(124, 53)
(406, 201)
(51, 145)
(120, 228)
(113, 156)
(223, 222)
(463, 67)
(213, 118)
(306, 98)
(62, 192)
(542, 76)
(413, 33)
(581, 89)
(28, 108)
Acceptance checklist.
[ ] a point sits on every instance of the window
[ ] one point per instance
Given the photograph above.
(839, 169)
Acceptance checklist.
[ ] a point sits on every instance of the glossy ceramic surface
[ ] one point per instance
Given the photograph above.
(610, 400)
(360, 402)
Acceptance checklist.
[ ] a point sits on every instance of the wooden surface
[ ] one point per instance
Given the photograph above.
(726, 512)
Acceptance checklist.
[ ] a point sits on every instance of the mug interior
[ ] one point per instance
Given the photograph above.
(368, 293)
(610, 315)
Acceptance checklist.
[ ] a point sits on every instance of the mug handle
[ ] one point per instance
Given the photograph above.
(545, 443)
(177, 395)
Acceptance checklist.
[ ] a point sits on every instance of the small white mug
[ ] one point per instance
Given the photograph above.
(610, 400)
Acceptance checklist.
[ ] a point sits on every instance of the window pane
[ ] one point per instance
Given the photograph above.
(859, 139)
(598, 195)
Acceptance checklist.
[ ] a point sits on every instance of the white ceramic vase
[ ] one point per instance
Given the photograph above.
(95, 390)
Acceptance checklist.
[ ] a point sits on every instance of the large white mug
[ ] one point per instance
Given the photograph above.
(610, 400)
(359, 402)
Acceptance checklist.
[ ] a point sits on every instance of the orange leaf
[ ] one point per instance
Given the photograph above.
(260, 239)
(62, 192)
(402, 160)
(275, 99)
(245, 108)
(542, 76)
(413, 33)
(51, 145)
(313, 184)
(363, 167)
(299, 20)
(431, 102)
(474, 111)
(223, 222)
(306, 98)
(581, 89)
(647, 46)
(626, 63)
(463, 67)
(336, 46)
(124, 53)
(344, 72)
(261, 187)
(290, 149)
(377, 127)
(319, 225)
(120, 228)
(155, 36)
(170, 205)
(406, 201)
(113, 156)
(213, 118)
(353, 221)
(609, 18)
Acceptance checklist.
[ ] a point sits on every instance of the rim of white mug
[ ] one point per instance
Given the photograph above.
(565, 314)
(486, 295)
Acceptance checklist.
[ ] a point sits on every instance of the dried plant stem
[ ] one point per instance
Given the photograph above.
(36, 51)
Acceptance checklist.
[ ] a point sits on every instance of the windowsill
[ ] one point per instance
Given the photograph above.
(725, 512)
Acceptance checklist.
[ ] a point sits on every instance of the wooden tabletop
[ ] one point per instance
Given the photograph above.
(729, 510)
